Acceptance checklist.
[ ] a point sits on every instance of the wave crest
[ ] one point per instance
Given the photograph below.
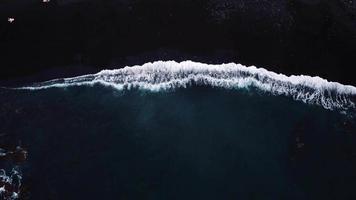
(164, 75)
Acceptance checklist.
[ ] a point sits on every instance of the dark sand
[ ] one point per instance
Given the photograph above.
(67, 37)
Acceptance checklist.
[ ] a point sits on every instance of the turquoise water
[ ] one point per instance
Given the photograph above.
(199, 142)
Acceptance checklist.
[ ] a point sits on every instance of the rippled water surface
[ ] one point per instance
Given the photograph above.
(199, 142)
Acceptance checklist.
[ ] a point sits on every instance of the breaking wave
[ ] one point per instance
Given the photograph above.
(167, 75)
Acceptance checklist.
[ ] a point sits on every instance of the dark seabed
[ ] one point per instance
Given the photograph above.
(200, 142)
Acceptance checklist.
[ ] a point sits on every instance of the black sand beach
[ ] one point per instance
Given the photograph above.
(63, 38)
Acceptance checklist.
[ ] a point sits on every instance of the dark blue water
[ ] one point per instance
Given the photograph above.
(194, 143)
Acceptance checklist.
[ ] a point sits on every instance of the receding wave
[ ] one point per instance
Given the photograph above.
(167, 75)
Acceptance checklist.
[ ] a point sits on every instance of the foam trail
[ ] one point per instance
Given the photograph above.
(165, 75)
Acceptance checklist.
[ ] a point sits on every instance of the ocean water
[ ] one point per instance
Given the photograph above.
(168, 130)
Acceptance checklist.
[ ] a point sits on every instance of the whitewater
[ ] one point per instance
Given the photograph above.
(170, 75)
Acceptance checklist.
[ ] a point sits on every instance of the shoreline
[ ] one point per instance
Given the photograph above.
(80, 69)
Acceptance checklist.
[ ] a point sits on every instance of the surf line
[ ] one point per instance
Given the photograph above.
(168, 75)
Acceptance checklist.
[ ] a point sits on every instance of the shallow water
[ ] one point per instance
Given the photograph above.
(200, 142)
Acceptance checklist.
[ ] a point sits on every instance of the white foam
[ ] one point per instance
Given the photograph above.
(166, 75)
(14, 181)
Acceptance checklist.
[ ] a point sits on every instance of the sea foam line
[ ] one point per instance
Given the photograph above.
(165, 75)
